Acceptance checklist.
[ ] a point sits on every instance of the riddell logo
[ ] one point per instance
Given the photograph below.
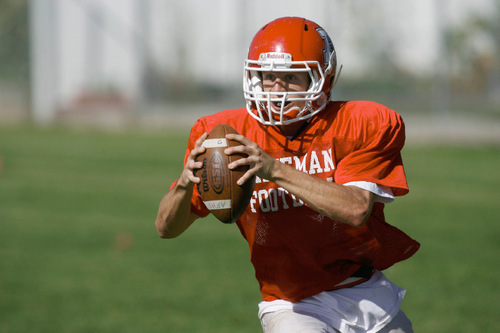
(276, 55)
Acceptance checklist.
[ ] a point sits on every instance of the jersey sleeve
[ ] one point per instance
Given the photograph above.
(197, 205)
(379, 135)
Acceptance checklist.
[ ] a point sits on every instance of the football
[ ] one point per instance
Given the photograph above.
(225, 199)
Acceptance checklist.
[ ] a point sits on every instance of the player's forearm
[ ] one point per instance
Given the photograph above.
(174, 214)
(346, 204)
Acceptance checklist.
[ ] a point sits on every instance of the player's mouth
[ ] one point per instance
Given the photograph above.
(278, 105)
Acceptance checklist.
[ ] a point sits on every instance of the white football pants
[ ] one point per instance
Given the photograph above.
(287, 321)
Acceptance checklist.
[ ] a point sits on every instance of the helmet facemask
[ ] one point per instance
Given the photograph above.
(259, 103)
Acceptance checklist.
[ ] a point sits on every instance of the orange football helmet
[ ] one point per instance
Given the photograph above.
(289, 44)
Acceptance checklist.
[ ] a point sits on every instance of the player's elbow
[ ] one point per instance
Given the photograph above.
(166, 235)
(165, 232)
(361, 207)
(360, 216)
(355, 217)
(173, 226)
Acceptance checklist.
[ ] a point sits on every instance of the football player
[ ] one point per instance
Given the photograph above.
(324, 171)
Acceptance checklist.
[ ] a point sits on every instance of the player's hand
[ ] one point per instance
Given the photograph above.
(259, 162)
(188, 174)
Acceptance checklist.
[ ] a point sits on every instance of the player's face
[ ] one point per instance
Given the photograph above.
(286, 82)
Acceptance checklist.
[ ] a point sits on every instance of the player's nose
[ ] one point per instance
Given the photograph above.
(279, 85)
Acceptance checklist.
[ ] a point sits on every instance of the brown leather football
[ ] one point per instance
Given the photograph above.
(225, 199)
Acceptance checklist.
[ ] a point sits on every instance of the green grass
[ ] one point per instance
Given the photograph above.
(79, 251)
(453, 211)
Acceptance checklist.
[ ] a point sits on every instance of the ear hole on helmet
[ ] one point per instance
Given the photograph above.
(306, 27)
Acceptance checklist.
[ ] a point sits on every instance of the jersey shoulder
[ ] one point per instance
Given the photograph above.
(366, 114)
(365, 110)
(363, 121)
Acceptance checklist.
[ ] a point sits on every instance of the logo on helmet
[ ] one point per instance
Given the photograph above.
(275, 58)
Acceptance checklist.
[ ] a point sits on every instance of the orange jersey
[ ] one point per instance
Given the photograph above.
(296, 251)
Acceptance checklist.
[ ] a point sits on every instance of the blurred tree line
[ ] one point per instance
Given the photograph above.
(471, 72)
(14, 41)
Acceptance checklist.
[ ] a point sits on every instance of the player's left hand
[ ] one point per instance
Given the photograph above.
(259, 162)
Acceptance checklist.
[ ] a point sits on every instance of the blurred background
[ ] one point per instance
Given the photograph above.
(96, 101)
(163, 62)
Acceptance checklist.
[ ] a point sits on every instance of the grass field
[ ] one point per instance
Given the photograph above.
(79, 251)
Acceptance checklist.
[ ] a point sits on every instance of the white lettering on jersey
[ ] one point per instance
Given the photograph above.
(328, 160)
(276, 198)
(314, 166)
(301, 166)
(286, 160)
(272, 200)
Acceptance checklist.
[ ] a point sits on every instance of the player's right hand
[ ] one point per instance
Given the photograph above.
(188, 174)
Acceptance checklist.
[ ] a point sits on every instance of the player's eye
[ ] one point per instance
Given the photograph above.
(290, 77)
(269, 77)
